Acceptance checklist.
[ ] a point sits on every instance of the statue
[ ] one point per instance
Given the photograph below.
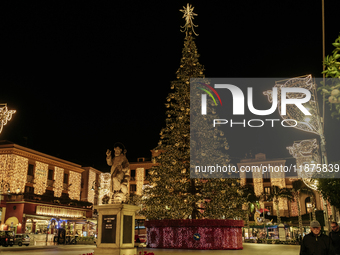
(120, 173)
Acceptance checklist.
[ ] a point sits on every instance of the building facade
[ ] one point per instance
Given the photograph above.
(41, 193)
(255, 172)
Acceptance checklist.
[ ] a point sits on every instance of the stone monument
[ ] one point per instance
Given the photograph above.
(116, 220)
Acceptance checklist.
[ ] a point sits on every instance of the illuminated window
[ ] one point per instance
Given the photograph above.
(50, 174)
(133, 187)
(30, 170)
(267, 190)
(66, 178)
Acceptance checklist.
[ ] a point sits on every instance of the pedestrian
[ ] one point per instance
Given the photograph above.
(315, 242)
(335, 237)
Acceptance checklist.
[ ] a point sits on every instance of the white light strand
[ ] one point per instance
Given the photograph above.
(58, 181)
(90, 192)
(74, 185)
(40, 178)
(139, 181)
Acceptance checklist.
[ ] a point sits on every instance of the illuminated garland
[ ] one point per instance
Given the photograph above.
(90, 192)
(74, 185)
(18, 177)
(13, 173)
(58, 181)
(40, 178)
(139, 181)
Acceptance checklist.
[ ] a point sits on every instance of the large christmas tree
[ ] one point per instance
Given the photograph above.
(172, 194)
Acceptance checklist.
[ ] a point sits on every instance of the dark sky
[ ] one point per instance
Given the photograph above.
(83, 75)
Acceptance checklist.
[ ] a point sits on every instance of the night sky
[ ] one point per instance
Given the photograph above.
(83, 75)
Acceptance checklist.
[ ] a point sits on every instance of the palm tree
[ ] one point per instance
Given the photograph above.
(248, 191)
(298, 189)
(276, 193)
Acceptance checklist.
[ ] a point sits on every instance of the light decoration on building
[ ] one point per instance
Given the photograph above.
(5, 115)
(58, 181)
(17, 178)
(105, 186)
(258, 185)
(306, 152)
(40, 178)
(90, 191)
(74, 185)
(13, 173)
(58, 211)
(139, 181)
(278, 179)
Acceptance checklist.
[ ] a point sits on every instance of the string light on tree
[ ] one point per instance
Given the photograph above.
(173, 193)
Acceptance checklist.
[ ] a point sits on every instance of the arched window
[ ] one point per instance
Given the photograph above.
(309, 205)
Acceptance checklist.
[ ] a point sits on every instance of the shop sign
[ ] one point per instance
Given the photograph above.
(57, 211)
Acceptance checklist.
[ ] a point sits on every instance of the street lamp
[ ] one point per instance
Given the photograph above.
(312, 123)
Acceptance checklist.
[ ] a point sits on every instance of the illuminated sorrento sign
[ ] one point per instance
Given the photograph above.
(57, 211)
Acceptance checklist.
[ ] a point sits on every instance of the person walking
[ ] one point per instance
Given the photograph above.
(315, 242)
(335, 237)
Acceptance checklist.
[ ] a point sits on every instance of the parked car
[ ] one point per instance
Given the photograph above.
(6, 238)
(22, 239)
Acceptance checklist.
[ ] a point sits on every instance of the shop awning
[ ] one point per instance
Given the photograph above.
(12, 221)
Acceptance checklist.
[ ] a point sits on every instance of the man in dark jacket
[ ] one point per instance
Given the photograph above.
(335, 237)
(316, 242)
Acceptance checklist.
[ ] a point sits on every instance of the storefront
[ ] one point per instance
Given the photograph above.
(265, 232)
(30, 217)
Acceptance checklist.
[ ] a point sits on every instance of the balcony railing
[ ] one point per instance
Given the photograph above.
(65, 186)
(30, 178)
(50, 183)
(47, 199)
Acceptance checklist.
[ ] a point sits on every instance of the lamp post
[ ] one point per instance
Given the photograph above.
(312, 123)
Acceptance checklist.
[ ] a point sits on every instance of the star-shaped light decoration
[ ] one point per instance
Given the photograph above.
(188, 16)
(5, 115)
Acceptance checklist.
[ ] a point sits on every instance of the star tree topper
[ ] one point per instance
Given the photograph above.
(188, 16)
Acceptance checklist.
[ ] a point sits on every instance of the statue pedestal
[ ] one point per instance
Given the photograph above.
(116, 229)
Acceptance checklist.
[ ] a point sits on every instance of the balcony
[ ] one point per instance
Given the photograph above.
(50, 183)
(48, 199)
(30, 178)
